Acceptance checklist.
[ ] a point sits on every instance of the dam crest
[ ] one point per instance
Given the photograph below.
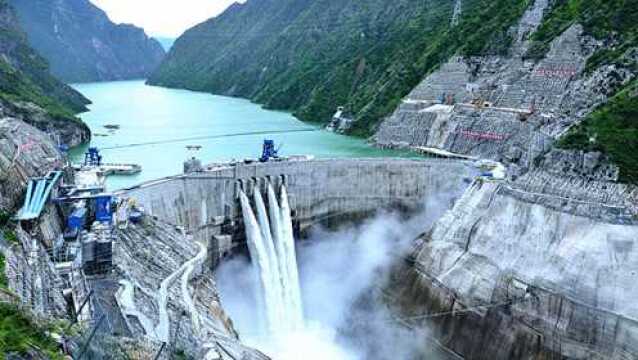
(329, 192)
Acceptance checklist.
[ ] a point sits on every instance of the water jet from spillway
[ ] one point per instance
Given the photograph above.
(272, 249)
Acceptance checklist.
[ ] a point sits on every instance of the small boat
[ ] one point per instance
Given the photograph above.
(193, 147)
(112, 127)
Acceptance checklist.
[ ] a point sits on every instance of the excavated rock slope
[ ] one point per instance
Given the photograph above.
(506, 108)
(167, 294)
(513, 278)
(26, 152)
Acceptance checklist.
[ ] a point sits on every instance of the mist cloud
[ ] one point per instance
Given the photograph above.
(340, 273)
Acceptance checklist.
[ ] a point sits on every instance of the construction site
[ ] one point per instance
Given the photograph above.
(487, 241)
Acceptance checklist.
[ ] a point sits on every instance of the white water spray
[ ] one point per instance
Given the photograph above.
(261, 262)
(275, 281)
(293, 296)
(272, 248)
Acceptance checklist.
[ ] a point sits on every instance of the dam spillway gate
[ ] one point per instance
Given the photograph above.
(206, 203)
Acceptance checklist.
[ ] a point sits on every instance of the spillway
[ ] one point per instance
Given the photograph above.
(261, 209)
(272, 250)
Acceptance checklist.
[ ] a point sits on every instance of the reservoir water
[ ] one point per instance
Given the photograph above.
(153, 114)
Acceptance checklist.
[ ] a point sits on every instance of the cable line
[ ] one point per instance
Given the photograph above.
(208, 137)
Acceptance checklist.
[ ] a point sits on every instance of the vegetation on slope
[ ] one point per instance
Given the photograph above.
(4, 283)
(612, 129)
(312, 56)
(21, 334)
(5, 230)
(613, 21)
(14, 86)
(24, 75)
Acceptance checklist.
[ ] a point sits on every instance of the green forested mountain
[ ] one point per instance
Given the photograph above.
(25, 74)
(81, 44)
(310, 56)
(25, 77)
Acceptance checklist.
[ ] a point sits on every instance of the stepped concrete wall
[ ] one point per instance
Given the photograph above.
(506, 108)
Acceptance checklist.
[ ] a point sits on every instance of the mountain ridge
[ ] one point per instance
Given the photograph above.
(83, 45)
(29, 92)
(310, 57)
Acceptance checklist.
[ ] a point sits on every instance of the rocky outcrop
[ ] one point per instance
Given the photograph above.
(341, 122)
(83, 45)
(24, 152)
(501, 277)
(61, 130)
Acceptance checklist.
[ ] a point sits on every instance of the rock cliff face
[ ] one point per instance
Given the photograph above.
(83, 45)
(24, 152)
(510, 274)
(62, 130)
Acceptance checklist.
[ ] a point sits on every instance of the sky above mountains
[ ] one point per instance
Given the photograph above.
(166, 18)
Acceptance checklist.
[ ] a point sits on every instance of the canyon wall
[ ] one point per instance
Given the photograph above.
(27, 152)
(29, 92)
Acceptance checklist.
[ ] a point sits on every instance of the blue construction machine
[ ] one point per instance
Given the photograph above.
(269, 151)
(92, 157)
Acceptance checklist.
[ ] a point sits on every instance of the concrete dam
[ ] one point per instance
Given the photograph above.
(533, 268)
(489, 263)
(329, 192)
